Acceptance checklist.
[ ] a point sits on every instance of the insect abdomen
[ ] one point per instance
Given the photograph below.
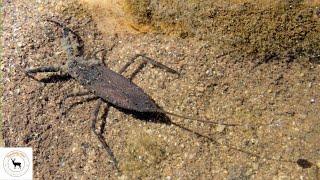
(114, 88)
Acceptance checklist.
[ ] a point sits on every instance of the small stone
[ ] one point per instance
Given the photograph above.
(74, 149)
(201, 89)
(41, 9)
(312, 100)
(220, 128)
(209, 72)
(20, 44)
(17, 91)
(62, 163)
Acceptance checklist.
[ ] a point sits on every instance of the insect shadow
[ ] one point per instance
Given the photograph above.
(114, 90)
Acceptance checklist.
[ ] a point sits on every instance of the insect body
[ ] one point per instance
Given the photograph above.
(111, 86)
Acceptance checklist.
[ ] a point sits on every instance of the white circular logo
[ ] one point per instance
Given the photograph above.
(16, 163)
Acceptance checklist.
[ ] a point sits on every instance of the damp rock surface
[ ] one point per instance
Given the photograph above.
(277, 103)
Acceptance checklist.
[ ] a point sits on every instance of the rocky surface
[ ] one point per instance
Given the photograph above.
(277, 102)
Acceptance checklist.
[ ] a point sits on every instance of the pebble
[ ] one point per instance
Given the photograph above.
(220, 128)
(74, 149)
(201, 89)
(17, 91)
(20, 44)
(209, 72)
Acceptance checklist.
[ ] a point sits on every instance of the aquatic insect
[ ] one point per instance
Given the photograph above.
(107, 86)
(111, 87)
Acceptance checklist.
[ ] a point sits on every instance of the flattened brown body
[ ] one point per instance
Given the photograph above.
(111, 86)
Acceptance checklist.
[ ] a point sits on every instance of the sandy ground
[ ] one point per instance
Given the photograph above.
(277, 102)
(1, 47)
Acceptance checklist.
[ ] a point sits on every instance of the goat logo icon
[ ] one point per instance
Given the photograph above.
(16, 163)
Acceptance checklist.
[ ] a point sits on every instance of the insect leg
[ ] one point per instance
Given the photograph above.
(135, 72)
(105, 51)
(103, 55)
(76, 94)
(43, 69)
(61, 69)
(71, 95)
(124, 68)
(98, 51)
(155, 63)
(99, 135)
(63, 76)
(148, 60)
(65, 111)
(104, 118)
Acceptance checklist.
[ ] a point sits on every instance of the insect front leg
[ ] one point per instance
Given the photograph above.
(100, 136)
(61, 69)
(43, 69)
(67, 40)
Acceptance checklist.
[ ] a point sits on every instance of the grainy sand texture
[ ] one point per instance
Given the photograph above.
(246, 62)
